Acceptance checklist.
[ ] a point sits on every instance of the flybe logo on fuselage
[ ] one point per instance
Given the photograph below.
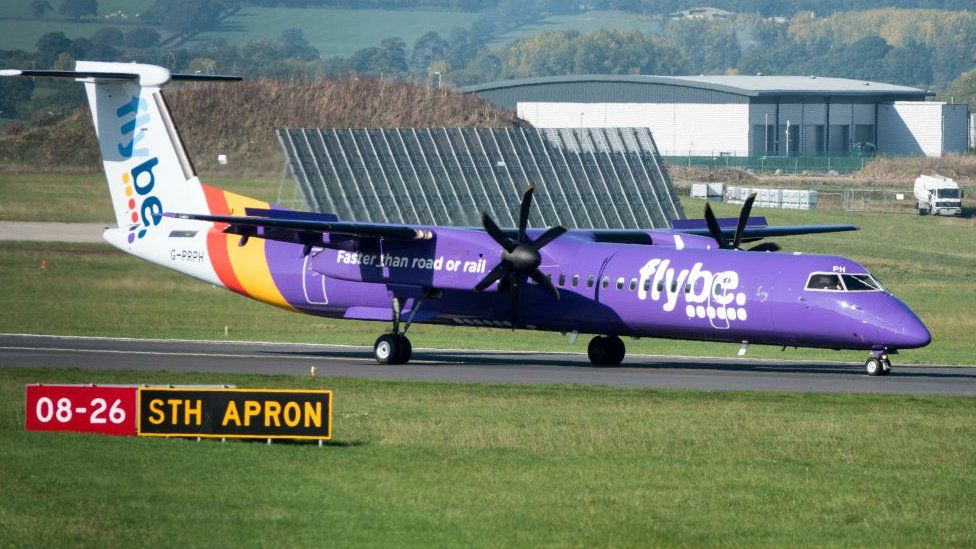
(705, 294)
(144, 209)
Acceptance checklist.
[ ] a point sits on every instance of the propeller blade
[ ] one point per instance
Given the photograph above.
(499, 271)
(765, 247)
(548, 236)
(523, 220)
(495, 233)
(713, 227)
(743, 218)
(543, 280)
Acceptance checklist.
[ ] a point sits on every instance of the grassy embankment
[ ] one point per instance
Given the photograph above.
(925, 261)
(462, 464)
(20, 30)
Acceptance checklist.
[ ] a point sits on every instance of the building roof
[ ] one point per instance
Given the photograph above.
(749, 86)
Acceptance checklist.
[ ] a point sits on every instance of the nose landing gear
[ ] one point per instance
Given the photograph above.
(878, 365)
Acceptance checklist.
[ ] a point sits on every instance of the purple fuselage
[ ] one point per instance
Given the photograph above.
(678, 288)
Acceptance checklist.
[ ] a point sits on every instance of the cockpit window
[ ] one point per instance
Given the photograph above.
(833, 282)
(861, 283)
(824, 281)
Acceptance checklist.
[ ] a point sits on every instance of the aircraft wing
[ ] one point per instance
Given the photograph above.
(750, 234)
(297, 228)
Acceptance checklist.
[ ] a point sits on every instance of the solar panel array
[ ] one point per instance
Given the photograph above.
(608, 178)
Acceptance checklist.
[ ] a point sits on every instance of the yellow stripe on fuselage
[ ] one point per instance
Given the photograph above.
(249, 262)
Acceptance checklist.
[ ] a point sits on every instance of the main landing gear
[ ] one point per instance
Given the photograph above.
(878, 365)
(606, 350)
(394, 347)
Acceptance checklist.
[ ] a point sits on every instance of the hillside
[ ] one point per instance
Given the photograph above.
(239, 120)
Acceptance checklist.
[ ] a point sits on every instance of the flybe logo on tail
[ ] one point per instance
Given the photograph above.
(145, 209)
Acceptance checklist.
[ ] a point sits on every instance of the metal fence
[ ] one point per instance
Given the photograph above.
(866, 200)
(770, 164)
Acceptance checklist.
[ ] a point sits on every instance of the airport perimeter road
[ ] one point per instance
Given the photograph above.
(51, 231)
(476, 366)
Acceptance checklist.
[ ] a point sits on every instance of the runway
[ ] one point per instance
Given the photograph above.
(477, 366)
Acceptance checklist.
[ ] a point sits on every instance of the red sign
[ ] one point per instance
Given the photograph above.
(81, 408)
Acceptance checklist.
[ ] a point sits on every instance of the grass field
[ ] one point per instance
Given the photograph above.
(925, 261)
(421, 464)
(334, 31)
(586, 22)
(20, 30)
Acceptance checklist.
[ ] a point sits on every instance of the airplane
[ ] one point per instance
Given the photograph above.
(693, 281)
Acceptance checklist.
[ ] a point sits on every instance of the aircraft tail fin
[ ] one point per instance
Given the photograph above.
(147, 167)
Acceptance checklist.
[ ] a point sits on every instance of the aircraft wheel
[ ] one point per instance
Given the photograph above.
(873, 366)
(885, 366)
(388, 349)
(606, 351)
(406, 350)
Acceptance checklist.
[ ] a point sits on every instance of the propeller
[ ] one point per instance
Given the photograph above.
(520, 259)
(736, 242)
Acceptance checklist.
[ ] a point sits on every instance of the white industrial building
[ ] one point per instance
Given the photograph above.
(743, 115)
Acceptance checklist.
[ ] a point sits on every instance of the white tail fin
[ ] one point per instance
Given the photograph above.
(147, 168)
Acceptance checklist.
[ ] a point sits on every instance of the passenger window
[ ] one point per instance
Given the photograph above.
(660, 286)
(575, 280)
(633, 284)
(674, 287)
(620, 283)
(605, 282)
(647, 285)
(687, 288)
(562, 279)
(824, 281)
(590, 281)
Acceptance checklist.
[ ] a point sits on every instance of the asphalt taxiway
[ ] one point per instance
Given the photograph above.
(477, 366)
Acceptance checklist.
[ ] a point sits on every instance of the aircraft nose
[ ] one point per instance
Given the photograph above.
(901, 328)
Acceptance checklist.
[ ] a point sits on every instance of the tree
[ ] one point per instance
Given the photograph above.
(294, 45)
(427, 49)
(76, 9)
(108, 36)
(50, 46)
(39, 8)
(963, 90)
(142, 38)
(185, 16)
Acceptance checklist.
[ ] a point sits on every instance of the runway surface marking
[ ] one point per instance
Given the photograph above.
(20, 350)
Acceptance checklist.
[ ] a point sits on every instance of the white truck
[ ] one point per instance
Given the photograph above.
(937, 195)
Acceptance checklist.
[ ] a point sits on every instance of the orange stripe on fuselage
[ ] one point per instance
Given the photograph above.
(217, 241)
(249, 263)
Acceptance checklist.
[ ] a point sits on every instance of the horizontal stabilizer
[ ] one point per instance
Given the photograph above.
(121, 75)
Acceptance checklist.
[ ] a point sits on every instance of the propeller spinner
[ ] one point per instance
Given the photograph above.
(520, 259)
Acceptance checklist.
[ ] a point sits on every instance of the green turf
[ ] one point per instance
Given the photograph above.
(585, 22)
(84, 197)
(435, 464)
(337, 32)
